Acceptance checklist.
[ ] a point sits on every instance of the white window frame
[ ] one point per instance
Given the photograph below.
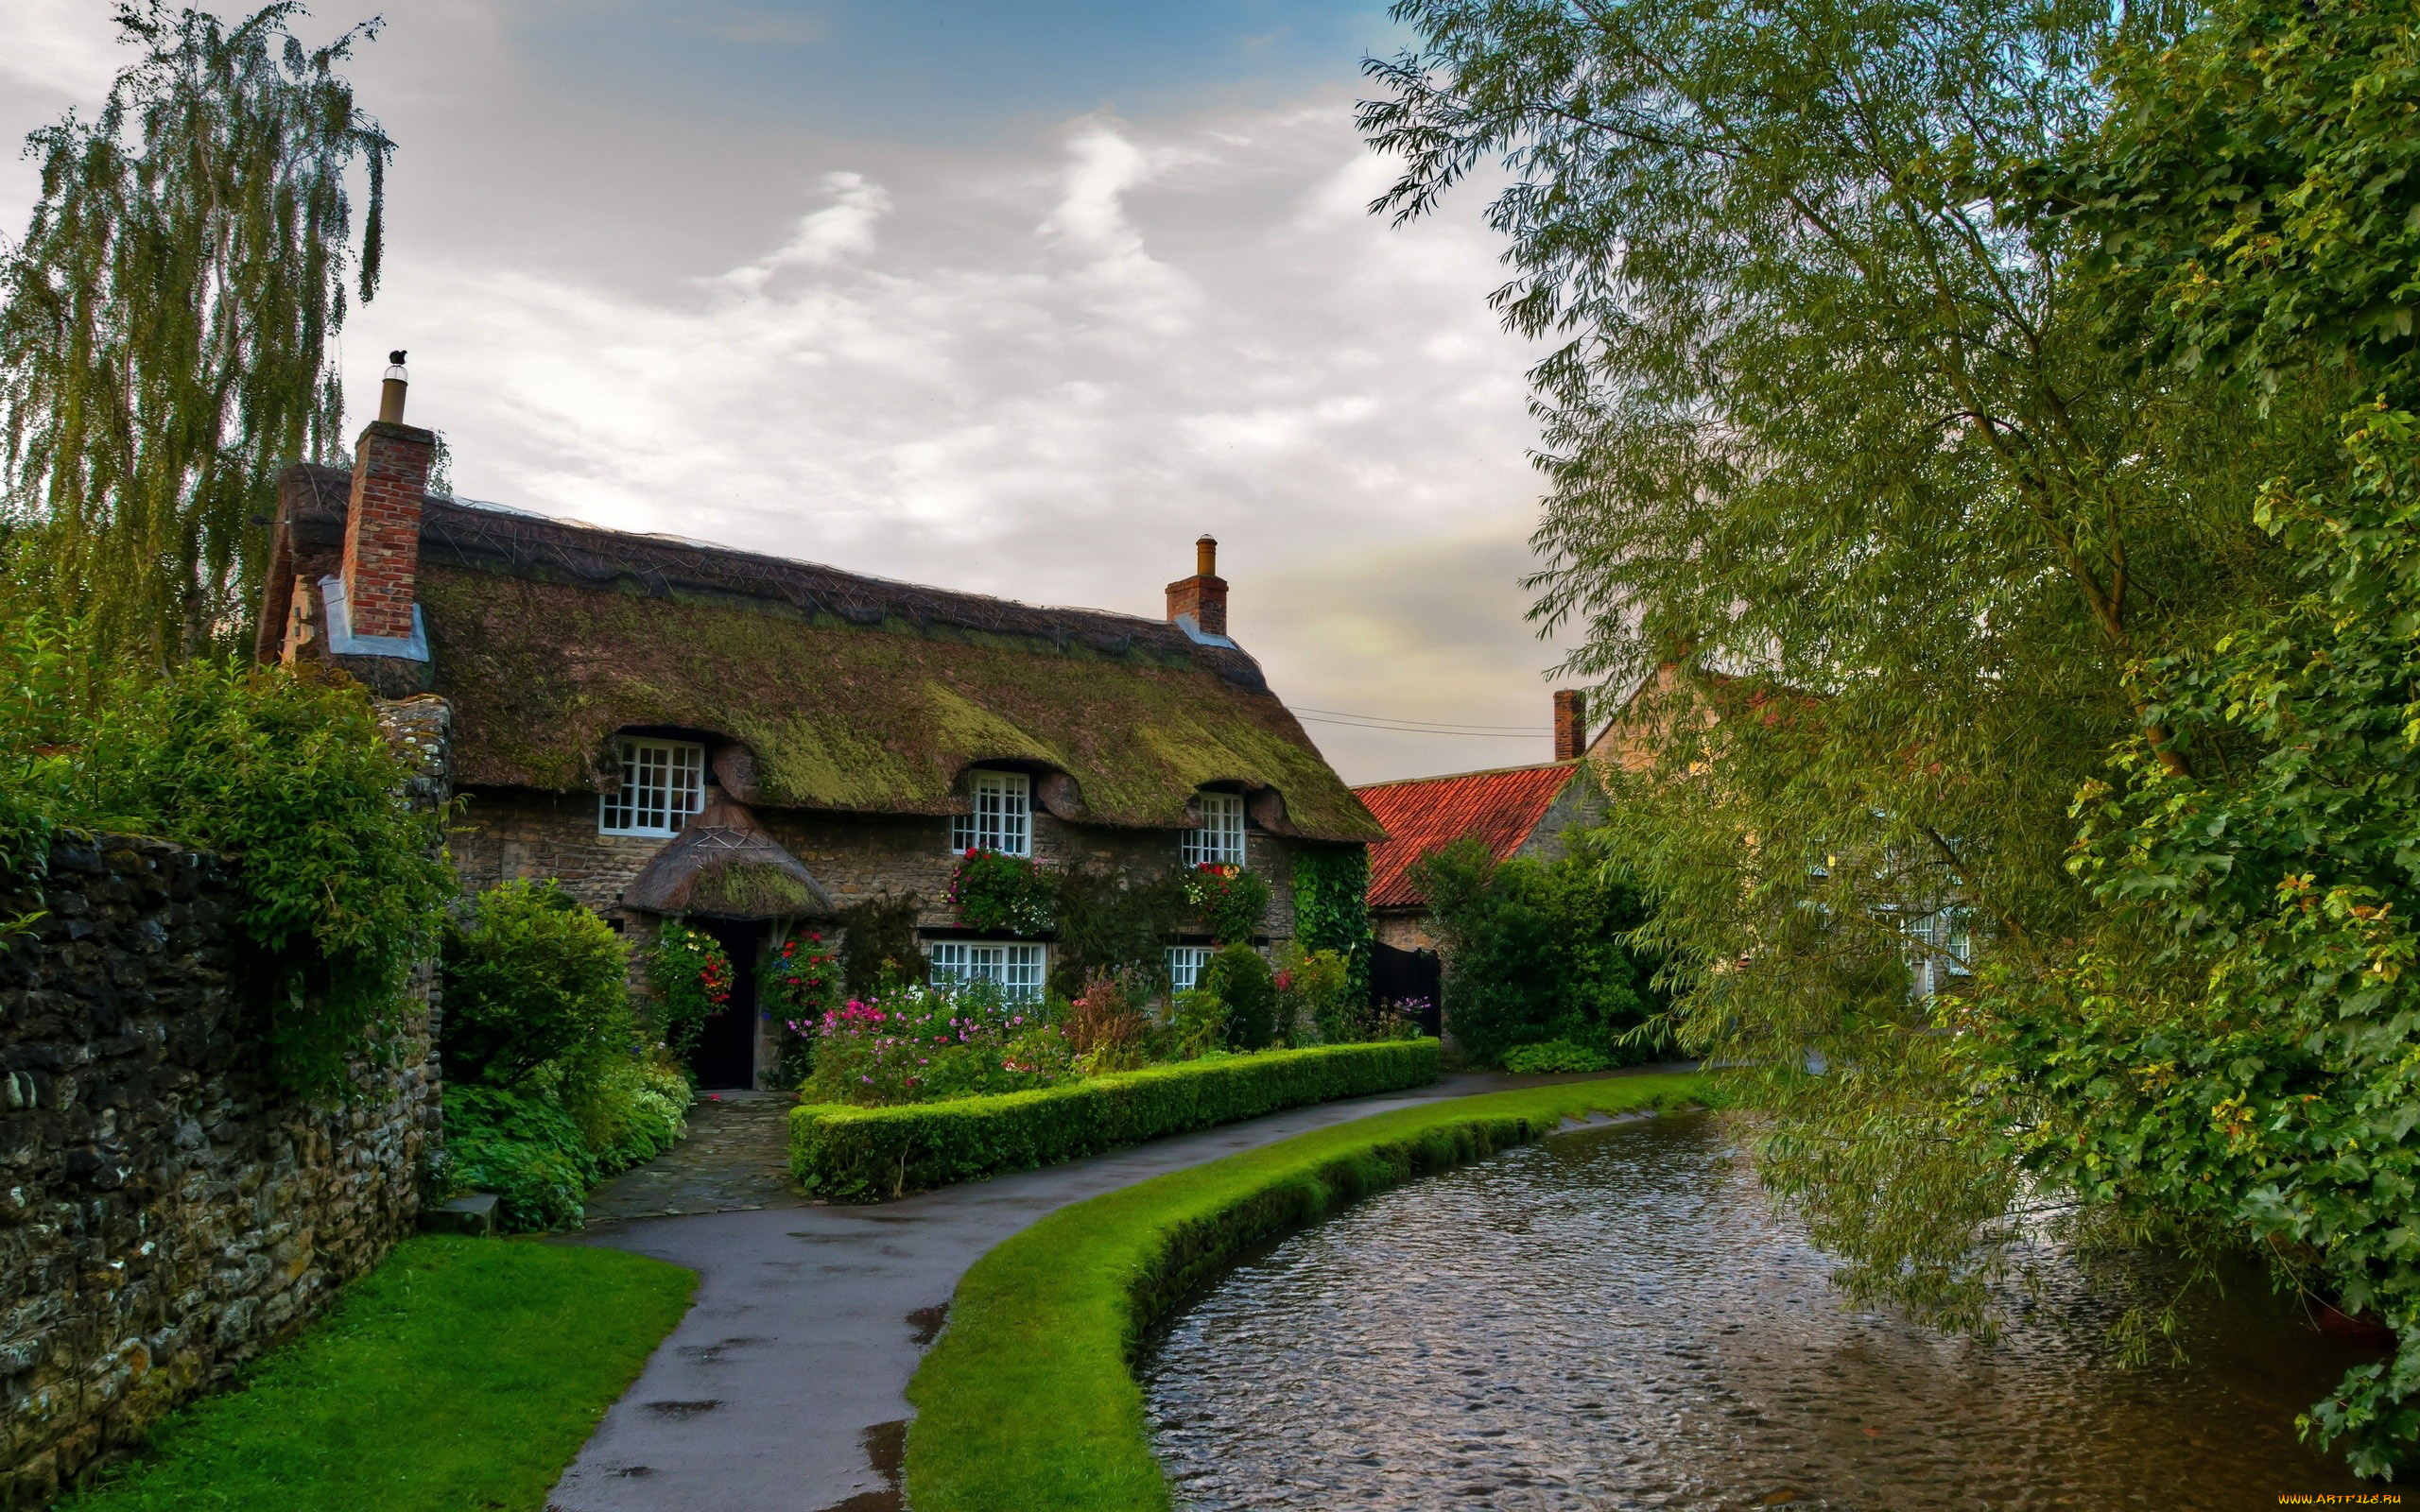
(1219, 842)
(1945, 948)
(663, 782)
(1185, 965)
(1003, 816)
(1018, 968)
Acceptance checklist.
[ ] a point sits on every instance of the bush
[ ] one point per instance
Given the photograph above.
(1313, 990)
(1229, 899)
(1197, 1025)
(1555, 1056)
(869, 1154)
(920, 1043)
(1105, 1027)
(523, 1146)
(531, 977)
(285, 771)
(691, 975)
(1238, 977)
(799, 985)
(1537, 951)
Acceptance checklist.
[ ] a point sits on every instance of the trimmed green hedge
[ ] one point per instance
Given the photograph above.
(869, 1154)
(1028, 1400)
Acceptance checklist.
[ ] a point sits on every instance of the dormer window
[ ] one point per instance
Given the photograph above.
(663, 782)
(1219, 842)
(1003, 816)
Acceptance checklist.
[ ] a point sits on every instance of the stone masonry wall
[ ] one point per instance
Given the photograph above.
(167, 1211)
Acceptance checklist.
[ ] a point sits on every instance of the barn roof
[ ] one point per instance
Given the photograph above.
(1500, 807)
(844, 691)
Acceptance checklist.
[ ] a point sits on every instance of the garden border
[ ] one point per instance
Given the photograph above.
(851, 1154)
(1029, 1397)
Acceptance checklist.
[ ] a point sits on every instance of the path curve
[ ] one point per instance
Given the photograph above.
(782, 1389)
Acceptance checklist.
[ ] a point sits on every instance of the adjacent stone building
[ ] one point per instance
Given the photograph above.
(754, 743)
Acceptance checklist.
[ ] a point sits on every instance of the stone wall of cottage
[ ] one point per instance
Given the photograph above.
(166, 1210)
(508, 833)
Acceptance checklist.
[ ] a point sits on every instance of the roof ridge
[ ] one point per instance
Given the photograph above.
(1572, 762)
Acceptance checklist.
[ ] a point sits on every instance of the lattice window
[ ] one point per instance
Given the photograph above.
(1003, 816)
(663, 782)
(1018, 969)
(1221, 840)
(1185, 966)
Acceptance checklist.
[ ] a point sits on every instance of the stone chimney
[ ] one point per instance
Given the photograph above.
(390, 466)
(1570, 724)
(1199, 602)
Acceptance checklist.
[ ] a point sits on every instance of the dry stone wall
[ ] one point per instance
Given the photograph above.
(167, 1211)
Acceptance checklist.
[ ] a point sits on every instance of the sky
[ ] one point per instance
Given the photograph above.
(1015, 298)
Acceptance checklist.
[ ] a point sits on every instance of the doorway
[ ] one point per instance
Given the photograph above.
(724, 1056)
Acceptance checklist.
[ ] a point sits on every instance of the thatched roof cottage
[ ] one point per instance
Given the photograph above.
(672, 727)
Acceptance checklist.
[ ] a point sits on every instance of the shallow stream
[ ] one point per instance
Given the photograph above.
(1618, 1319)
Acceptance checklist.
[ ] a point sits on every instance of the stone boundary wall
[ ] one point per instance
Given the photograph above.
(167, 1211)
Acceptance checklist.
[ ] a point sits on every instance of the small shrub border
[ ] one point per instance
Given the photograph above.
(869, 1154)
(1029, 1399)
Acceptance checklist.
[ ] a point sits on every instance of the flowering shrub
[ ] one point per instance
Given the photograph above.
(692, 978)
(800, 984)
(1001, 894)
(1105, 1027)
(1229, 899)
(1312, 988)
(924, 1043)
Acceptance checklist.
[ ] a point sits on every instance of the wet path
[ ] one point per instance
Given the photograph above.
(781, 1390)
(735, 1159)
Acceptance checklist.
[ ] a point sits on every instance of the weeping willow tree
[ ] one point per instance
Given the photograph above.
(169, 318)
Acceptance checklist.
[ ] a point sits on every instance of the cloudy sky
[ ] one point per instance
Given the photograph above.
(1012, 296)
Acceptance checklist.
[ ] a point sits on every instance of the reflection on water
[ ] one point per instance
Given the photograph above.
(1616, 1319)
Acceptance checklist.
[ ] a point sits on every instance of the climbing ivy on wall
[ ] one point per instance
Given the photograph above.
(1332, 909)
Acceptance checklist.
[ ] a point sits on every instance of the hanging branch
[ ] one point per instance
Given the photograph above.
(167, 319)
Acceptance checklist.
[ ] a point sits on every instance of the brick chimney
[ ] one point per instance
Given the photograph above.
(1201, 597)
(382, 529)
(1570, 724)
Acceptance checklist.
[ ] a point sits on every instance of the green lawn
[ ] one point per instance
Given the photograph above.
(462, 1374)
(1028, 1400)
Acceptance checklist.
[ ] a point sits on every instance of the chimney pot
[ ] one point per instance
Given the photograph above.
(1570, 724)
(1201, 597)
(391, 392)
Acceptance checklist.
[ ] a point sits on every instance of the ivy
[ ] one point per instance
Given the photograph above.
(1231, 901)
(1332, 909)
(1001, 894)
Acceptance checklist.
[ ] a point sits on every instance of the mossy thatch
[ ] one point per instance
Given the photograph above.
(878, 718)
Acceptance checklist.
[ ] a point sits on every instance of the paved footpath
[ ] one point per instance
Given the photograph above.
(783, 1389)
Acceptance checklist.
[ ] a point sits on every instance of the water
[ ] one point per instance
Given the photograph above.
(1616, 1319)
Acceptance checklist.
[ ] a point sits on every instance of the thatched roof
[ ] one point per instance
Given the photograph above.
(724, 864)
(841, 692)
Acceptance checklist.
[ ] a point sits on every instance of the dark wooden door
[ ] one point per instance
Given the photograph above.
(725, 1054)
(1397, 975)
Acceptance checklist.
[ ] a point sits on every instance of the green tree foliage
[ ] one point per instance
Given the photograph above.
(1538, 952)
(167, 322)
(1997, 413)
(531, 977)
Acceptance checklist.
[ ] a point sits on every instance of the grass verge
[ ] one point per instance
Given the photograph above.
(462, 1374)
(1029, 1401)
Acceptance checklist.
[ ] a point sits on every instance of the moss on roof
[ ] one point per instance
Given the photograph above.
(856, 715)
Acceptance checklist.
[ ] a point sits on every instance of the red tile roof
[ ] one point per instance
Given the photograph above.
(1500, 807)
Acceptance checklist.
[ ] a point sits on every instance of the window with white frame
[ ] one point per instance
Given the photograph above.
(663, 782)
(1003, 816)
(1221, 840)
(1185, 963)
(1943, 949)
(1016, 970)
